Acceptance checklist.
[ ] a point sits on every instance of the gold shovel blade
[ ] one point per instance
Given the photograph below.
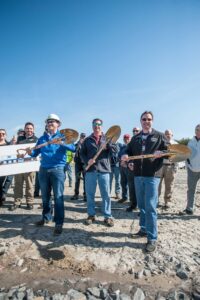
(179, 152)
(71, 135)
(113, 133)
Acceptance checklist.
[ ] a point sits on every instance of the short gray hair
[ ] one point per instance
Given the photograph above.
(197, 127)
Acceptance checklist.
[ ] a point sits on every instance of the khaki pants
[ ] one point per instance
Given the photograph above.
(18, 189)
(167, 173)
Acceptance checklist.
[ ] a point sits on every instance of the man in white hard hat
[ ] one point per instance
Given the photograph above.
(51, 173)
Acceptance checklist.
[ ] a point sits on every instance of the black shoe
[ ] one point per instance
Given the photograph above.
(3, 198)
(57, 230)
(150, 246)
(90, 220)
(75, 197)
(29, 206)
(131, 208)
(140, 233)
(186, 212)
(122, 200)
(41, 222)
(14, 207)
(85, 199)
(36, 195)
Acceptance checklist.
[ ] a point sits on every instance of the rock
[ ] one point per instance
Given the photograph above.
(139, 275)
(138, 295)
(59, 296)
(3, 296)
(20, 262)
(95, 291)
(147, 272)
(182, 274)
(29, 294)
(103, 293)
(124, 297)
(177, 295)
(75, 295)
(2, 250)
(20, 295)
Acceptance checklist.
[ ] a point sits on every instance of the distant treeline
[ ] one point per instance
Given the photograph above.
(183, 141)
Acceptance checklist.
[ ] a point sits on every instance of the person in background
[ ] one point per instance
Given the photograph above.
(115, 171)
(128, 176)
(68, 168)
(136, 130)
(193, 171)
(5, 181)
(51, 173)
(148, 141)
(124, 169)
(98, 171)
(167, 173)
(29, 177)
(79, 169)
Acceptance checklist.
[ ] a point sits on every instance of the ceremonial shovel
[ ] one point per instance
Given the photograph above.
(112, 136)
(70, 136)
(175, 152)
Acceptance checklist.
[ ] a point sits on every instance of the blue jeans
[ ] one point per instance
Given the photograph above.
(52, 178)
(115, 172)
(68, 169)
(124, 182)
(103, 179)
(147, 196)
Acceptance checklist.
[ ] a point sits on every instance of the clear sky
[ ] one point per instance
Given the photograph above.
(111, 59)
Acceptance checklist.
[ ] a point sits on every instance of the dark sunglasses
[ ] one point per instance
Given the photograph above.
(146, 119)
(51, 121)
(135, 130)
(96, 124)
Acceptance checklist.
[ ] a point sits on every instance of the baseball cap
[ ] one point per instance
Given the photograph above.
(126, 136)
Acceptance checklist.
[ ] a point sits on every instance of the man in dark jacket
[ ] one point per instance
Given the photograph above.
(99, 171)
(28, 178)
(148, 141)
(79, 169)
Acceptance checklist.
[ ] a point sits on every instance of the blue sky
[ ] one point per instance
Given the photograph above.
(111, 59)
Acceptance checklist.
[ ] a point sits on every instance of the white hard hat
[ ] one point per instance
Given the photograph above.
(53, 117)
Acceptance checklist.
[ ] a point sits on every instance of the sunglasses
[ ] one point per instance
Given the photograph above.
(135, 130)
(96, 124)
(146, 119)
(51, 121)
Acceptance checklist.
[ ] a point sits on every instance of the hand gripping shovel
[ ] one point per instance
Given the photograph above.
(112, 136)
(175, 153)
(70, 136)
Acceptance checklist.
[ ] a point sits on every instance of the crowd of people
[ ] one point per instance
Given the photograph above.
(137, 180)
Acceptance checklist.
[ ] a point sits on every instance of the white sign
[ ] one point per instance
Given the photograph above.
(11, 165)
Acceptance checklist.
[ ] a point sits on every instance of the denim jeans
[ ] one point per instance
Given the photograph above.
(68, 170)
(124, 182)
(147, 197)
(192, 179)
(103, 179)
(52, 178)
(115, 172)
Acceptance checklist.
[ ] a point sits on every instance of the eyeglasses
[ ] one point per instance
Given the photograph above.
(146, 119)
(51, 121)
(96, 124)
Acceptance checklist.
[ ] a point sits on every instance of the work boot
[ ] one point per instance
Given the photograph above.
(75, 197)
(109, 222)
(57, 230)
(14, 207)
(122, 200)
(150, 246)
(89, 220)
